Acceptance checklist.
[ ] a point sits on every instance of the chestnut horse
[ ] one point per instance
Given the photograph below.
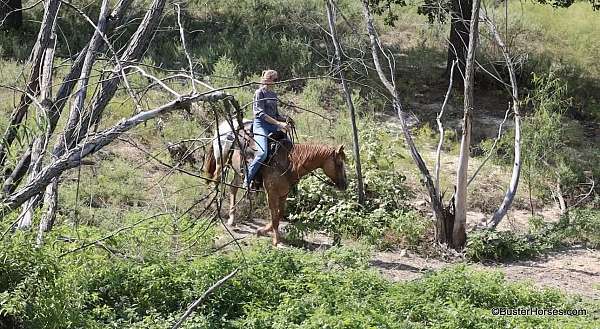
(284, 170)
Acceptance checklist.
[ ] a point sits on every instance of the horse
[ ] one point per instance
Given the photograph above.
(284, 169)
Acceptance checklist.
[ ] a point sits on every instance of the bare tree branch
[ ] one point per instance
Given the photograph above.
(195, 304)
(438, 153)
(74, 156)
(514, 181)
(436, 202)
(349, 103)
(491, 151)
(187, 54)
(51, 8)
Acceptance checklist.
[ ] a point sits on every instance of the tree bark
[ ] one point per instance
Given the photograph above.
(349, 103)
(460, 16)
(516, 173)
(40, 142)
(11, 14)
(44, 37)
(444, 218)
(459, 235)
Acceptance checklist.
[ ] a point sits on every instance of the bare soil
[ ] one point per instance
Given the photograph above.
(574, 271)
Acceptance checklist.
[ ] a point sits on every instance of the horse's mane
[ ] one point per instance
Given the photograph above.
(303, 154)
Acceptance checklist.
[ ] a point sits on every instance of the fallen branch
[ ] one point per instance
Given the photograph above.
(74, 156)
(110, 235)
(195, 304)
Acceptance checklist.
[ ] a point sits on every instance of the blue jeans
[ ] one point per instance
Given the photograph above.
(262, 144)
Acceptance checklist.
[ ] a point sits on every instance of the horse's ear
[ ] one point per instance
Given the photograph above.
(340, 150)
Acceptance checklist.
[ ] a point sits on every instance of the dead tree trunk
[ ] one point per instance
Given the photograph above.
(458, 43)
(40, 142)
(514, 181)
(459, 235)
(79, 123)
(349, 103)
(444, 217)
(37, 57)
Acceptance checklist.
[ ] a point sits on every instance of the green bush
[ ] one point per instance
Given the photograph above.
(275, 288)
(384, 219)
(552, 151)
(580, 226)
(33, 292)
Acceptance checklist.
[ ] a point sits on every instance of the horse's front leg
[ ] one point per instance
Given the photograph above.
(232, 196)
(278, 217)
(274, 209)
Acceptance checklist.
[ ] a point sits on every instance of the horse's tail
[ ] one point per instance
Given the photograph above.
(210, 162)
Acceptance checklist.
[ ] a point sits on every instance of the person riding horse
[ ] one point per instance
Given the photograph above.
(287, 166)
(267, 120)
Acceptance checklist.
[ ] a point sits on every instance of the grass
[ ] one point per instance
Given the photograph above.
(568, 34)
(274, 289)
(146, 276)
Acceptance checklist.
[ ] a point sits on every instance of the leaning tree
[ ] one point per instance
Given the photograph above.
(35, 149)
(450, 227)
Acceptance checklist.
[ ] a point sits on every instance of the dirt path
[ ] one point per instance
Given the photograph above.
(572, 271)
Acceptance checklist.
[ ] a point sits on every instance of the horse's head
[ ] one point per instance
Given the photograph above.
(335, 168)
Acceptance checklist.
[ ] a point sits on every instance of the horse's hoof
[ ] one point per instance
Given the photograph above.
(231, 223)
(261, 233)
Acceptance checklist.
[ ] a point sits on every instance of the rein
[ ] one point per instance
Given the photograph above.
(326, 182)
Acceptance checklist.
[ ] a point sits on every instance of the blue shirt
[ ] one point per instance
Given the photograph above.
(265, 102)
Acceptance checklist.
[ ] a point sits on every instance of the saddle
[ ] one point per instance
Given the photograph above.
(277, 142)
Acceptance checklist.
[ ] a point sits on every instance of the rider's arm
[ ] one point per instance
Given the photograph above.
(270, 120)
(259, 111)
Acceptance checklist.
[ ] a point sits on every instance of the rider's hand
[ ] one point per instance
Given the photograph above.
(283, 125)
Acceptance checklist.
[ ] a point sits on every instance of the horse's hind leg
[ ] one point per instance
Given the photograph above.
(232, 196)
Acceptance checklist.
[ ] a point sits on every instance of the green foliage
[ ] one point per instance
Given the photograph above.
(264, 36)
(226, 73)
(33, 294)
(548, 144)
(116, 183)
(324, 95)
(275, 288)
(384, 220)
(580, 226)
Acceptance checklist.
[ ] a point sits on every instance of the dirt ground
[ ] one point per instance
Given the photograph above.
(574, 271)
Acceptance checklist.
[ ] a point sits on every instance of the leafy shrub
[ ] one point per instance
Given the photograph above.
(275, 288)
(501, 245)
(32, 292)
(583, 227)
(323, 94)
(548, 144)
(384, 220)
(580, 227)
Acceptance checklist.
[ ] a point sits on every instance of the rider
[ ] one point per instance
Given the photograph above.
(266, 120)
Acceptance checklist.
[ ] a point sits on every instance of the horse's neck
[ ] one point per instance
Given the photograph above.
(307, 162)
